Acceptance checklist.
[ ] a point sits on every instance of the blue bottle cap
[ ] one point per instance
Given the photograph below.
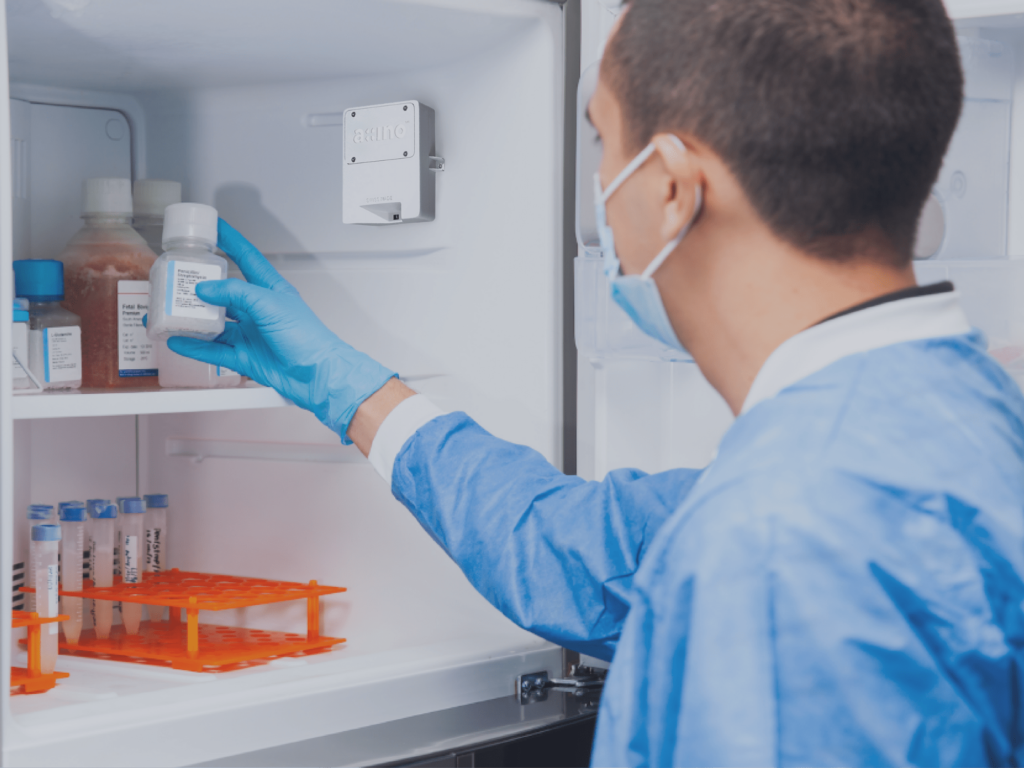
(100, 512)
(20, 315)
(73, 514)
(65, 504)
(39, 511)
(133, 506)
(45, 533)
(95, 506)
(156, 500)
(39, 279)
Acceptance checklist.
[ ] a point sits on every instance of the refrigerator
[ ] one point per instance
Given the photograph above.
(497, 307)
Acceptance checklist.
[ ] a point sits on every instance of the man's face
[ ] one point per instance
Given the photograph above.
(633, 209)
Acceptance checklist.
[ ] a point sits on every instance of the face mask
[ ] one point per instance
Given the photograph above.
(638, 294)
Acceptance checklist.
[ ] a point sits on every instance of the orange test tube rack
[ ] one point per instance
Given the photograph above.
(32, 680)
(202, 647)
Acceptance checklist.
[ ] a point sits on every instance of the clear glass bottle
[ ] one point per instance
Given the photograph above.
(190, 237)
(54, 334)
(178, 371)
(151, 198)
(106, 268)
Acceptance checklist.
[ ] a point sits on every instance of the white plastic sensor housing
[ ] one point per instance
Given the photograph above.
(390, 163)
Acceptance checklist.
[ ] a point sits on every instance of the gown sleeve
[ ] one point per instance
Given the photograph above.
(554, 553)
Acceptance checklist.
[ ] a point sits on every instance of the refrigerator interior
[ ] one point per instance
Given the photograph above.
(640, 406)
(467, 308)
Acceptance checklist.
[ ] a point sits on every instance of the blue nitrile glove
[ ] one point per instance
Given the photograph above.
(279, 342)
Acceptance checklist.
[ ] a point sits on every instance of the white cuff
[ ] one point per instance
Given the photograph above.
(401, 424)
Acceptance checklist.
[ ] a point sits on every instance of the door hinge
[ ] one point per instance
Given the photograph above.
(581, 681)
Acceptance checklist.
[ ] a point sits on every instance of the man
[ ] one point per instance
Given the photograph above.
(843, 585)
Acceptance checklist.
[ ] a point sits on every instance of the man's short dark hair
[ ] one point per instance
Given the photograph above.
(834, 115)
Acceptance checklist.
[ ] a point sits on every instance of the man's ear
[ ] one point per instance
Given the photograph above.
(683, 177)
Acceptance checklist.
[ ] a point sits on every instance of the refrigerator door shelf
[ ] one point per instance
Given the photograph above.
(603, 330)
(990, 292)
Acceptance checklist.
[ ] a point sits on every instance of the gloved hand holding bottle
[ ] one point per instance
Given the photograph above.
(279, 341)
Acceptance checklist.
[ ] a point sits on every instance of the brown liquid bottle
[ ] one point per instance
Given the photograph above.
(106, 273)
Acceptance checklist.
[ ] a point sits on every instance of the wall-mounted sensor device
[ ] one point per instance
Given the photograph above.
(389, 164)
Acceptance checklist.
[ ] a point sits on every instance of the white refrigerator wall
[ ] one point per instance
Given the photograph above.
(466, 308)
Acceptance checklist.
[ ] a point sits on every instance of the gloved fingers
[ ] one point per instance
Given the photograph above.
(232, 336)
(254, 265)
(237, 295)
(212, 352)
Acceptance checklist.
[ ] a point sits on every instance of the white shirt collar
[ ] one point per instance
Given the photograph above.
(895, 322)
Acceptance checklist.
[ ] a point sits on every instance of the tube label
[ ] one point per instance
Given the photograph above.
(62, 354)
(181, 299)
(136, 354)
(51, 597)
(154, 550)
(131, 560)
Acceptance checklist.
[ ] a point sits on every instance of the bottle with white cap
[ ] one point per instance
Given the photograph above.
(106, 274)
(151, 198)
(190, 236)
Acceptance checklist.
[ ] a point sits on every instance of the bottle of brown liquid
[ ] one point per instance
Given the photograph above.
(106, 274)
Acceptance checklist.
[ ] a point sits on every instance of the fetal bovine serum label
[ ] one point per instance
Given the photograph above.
(181, 300)
(62, 354)
(136, 355)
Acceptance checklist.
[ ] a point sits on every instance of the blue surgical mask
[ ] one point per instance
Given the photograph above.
(638, 294)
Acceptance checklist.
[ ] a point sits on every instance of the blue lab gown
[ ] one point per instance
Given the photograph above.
(842, 586)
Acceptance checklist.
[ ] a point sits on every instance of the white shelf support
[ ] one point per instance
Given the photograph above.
(199, 450)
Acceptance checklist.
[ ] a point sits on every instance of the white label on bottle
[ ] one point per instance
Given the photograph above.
(51, 596)
(62, 354)
(222, 371)
(154, 550)
(136, 354)
(181, 300)
(131, 559)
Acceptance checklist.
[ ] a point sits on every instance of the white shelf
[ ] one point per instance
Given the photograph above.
(980, 9)
(104, 402)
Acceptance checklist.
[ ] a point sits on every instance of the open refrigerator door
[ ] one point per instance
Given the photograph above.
(640, 406)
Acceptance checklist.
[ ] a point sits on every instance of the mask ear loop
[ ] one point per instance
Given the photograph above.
(628, 171)
(698, 204)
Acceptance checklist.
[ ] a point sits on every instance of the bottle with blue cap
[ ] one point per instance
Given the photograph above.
(19, 343)
(45, 543)
(38, 514)
(133, 553)
(103, 514)
(157, 505)
(54, 333)
(73, 518)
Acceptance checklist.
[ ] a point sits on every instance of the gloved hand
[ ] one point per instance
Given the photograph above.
(279, 342)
